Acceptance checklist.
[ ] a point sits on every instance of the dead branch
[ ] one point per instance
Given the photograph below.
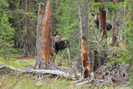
(40, 72)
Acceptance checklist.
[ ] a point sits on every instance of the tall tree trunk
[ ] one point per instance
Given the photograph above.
(43, 43)
(80, 31)
(114, 38)
(38, 37)
(85, 46)
(85, 57)
(26, 36)
(46, 47)
(83, 43)
(102, 22)
(86, 21)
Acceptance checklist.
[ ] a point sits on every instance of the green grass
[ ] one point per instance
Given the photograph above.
(30, 82)
(11, 79)
(17, 64)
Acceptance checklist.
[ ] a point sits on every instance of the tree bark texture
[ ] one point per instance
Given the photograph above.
(26, 36)
(102, 21)
(86, 21)
(46, 46)
(114, 37)
(85, 57)
(39, 37)
(43, 43)
(80, 31)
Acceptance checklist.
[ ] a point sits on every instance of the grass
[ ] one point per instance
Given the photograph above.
(30, 82)
(17, 64)
(11, 79)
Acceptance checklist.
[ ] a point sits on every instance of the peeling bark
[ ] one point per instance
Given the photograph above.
(85, 57)
(46, 47)
(43, 43)
(38, 37)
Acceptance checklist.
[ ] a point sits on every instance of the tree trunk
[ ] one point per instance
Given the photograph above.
(114, 38)
(46, 41)
(26, 36)
(80, 31)
(83, 43)
(102, 22)
(86, 21)
(38, 37)
(43, 43)
(85, 57)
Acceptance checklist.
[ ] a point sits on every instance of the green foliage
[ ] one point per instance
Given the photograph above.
(66, 23)
(126, 56)
(3, 3)
(94, 9)
(6, 36)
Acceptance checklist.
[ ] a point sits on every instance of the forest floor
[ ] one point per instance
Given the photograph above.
(13, 80)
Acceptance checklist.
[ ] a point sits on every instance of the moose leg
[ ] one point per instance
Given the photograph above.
(68, 51)
(57, 59)
(59, 63)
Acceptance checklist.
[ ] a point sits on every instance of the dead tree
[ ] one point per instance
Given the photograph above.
(80, 31)
(114, 37)
(43, 43)
(83, 46)
(85, 57)
(38, 39)
(102, 22)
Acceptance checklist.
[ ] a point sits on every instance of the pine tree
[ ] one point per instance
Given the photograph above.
(6, 38)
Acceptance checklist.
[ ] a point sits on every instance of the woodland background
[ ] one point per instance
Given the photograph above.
(64, 20)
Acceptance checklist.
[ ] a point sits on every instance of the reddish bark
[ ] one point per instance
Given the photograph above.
(102, 21)
(46, 35)
(41, 10)
(43, 41)
(85, 58)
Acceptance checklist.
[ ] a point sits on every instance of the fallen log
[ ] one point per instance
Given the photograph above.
(52, 72)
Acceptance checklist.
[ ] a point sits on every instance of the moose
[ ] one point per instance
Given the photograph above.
(96, 20)
(108, 22)
(58, 44)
